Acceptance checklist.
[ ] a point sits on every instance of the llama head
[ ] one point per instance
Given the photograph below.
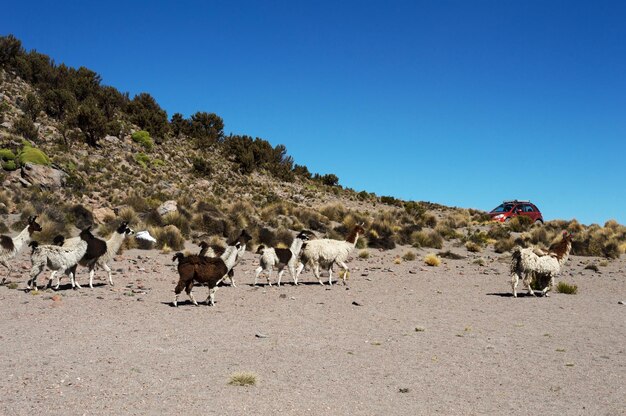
(124, 229)
(178, 256)
(305, 235)
(244, 237)
(204, 245)
(261, 249)
(33, 225)
(58, 240)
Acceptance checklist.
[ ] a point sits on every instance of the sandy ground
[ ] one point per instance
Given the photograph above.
(400, 339)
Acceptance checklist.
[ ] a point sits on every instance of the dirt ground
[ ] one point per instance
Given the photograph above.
(399, 339)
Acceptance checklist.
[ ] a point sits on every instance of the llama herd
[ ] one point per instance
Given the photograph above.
(214, 263)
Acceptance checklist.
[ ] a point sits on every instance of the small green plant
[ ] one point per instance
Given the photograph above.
(364, 254)
(6, 154)
(9, 165)
(243, 379)
(13, 285)
(143, 138)
(566, 288)
(142, 159)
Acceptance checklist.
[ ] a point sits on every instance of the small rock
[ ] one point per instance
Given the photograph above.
(621, 302)
(261, 336)
(412, 272)
(355, 303)
(282, 296)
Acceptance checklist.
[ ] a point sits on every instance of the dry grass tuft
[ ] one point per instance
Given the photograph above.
(566, 288)
(409, 256)
(364, 254)
(243, 379)
(432, 259)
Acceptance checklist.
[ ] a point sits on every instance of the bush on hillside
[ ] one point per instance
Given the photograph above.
(143, 138)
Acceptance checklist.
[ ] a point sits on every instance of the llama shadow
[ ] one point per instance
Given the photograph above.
(187, 302)
(510, 295)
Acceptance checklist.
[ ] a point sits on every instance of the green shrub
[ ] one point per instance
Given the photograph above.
(7, 154)
(33, 155)
(9, 165)
(566, 288)
(142, 159)
(143, 138)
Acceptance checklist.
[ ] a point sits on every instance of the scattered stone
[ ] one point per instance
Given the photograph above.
(403, 390)
(167, 207)
(355, 303)
(259, 335)
(621, 302)
(56, 298)
(44, 176)
(412, 272)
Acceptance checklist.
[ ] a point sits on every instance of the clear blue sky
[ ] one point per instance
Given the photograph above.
(464, 103)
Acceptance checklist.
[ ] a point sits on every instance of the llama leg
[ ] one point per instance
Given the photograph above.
(346, 270)
(330, 275)
(211, 298)
(514, 283)
(257, 272)
(231, 277)
(72, 275)
(294, 276)
(179, 288)
(269, 276)
(316, 272)
(108, 270)
(189, 290)
(280, 274)
(548, 288)
(92, 271)
(298, 271)
(51, 279)
(528, 281)
(34, 272)
(5, 264)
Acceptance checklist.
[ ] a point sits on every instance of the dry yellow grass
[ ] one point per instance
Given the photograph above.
(432, 259)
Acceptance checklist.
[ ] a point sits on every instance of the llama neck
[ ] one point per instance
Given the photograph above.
(115, 242)
(563, 257)
(352, 238)
(230, 256)
(296, 245)
(21, 239)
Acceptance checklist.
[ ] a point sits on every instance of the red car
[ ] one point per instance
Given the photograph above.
(510, 209)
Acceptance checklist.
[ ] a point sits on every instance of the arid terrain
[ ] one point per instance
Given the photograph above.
(399, 339)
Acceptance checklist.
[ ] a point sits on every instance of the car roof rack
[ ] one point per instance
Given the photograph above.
(516, 201)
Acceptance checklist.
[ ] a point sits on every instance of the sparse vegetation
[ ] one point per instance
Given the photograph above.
(566, 288)
(243, 379)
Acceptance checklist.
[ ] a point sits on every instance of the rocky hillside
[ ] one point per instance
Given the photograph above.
(76, 152)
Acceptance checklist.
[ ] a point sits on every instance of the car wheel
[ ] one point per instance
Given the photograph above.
(539, 222)
(507, 219)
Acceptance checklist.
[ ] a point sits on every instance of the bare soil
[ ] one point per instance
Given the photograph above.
(399, 339)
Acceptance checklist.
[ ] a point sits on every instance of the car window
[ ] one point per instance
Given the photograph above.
(528, 208)
(503, 208)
